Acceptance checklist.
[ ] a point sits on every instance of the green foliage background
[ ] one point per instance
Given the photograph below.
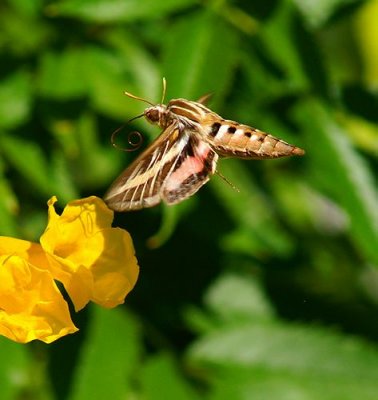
(270, 293)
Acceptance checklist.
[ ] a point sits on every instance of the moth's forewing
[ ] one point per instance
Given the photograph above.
(139, 185)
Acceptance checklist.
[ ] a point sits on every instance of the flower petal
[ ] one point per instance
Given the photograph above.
(116, 270)
(92, 260)
(30, 251)
(31, 305)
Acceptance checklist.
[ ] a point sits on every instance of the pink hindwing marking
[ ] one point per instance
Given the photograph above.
(190, 166)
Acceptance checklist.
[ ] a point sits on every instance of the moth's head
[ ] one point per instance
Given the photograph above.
(157, 115)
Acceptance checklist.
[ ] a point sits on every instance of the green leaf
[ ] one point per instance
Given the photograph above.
(342, 173)
(105, 75)
(15, 99)
(258, 232)
(26, 7)
(235, 298)
(292, 348)
(14, 374)
(138, 63)
(248, 357)
(8, 224)
(160, 379)
(28, 159)
(262, 85)
(365, 37)
(117, 10)
(65, 189)
(62, 75)
(280, 45)
(204, 59)
(318, 12)
(21, 33)
(91, 167)
(170, 218)
(245, 384)
(33, 223)
(8, 205)
(108, 357)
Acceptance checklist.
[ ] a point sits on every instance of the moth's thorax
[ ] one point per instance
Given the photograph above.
(189, 111)
(158, 115)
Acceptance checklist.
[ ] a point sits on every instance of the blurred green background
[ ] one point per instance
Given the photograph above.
(270, 293)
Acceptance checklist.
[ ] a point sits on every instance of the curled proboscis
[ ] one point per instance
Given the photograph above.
(134, 139)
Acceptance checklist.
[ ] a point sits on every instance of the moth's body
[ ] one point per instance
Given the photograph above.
(184, 156)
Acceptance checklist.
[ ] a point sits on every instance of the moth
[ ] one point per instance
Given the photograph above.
(185, 155)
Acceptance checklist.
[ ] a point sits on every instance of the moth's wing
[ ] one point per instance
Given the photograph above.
(140, 184)
(194, 167)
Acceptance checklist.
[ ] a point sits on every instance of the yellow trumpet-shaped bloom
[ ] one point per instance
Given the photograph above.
(94, 261)
(31, 305)
(79, 248)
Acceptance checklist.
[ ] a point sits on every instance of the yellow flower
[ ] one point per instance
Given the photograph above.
(31, 252)
(31, 305)
(79, 248)
(94, 261)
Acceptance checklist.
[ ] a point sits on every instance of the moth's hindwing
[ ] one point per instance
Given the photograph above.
(194, 168)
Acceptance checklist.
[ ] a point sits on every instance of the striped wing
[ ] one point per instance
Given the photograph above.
(195, 165)
(173, 168)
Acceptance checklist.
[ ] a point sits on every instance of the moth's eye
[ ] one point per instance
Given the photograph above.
(153, 114)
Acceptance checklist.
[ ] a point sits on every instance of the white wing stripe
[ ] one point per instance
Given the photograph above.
(155, 175)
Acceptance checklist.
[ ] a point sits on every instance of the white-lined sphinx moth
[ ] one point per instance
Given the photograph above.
(185, 155)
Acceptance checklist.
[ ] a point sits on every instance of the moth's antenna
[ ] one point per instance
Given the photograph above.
(164, 90)
(134, 145)
(138, 98)
(227, 181)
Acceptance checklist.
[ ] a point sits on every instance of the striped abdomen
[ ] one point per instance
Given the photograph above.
(228, 138)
